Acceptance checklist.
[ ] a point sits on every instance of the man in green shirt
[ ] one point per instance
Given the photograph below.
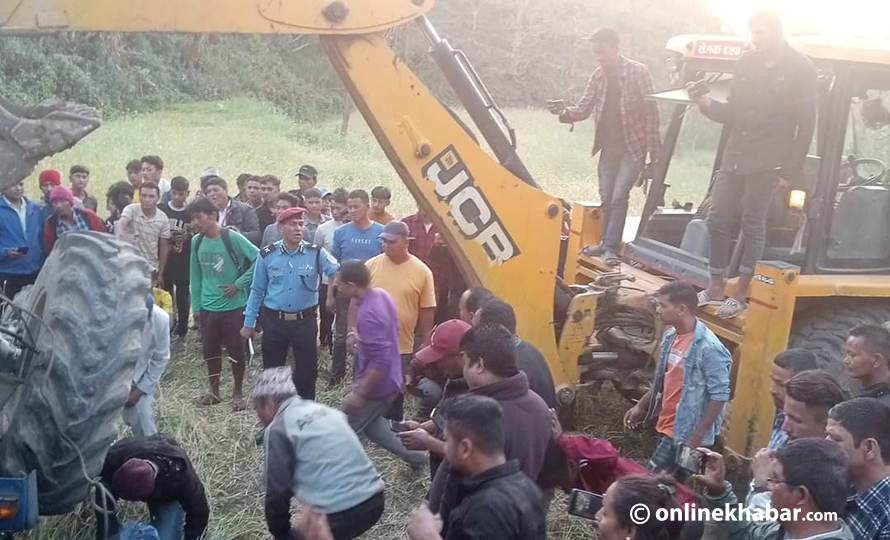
(221, 270)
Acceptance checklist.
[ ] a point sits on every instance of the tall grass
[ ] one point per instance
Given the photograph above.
(243, 135)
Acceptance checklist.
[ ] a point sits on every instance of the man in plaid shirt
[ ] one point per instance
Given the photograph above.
(861, 426)
(626, 132)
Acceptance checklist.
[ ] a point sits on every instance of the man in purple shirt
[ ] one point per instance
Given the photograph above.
(378, 366)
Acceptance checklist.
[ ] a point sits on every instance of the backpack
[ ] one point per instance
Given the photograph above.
(243, 265)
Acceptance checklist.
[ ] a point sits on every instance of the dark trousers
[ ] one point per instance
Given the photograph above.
(177, 284)
(281, 336)
(353, 522)
(13, 283)
(338, 359)
(326, 328)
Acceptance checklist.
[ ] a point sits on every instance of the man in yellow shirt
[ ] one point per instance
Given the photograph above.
(410, 283)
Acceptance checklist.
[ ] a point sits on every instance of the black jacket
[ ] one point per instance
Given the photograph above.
(176, 480)
(500, 504)
(772, 114)
(530, 360)
(527, 427)
(879, 391)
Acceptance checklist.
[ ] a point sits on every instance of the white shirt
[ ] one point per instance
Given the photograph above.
(164, 187)
(324, 237)
(155, 351)
(223, 213)
(22, 212)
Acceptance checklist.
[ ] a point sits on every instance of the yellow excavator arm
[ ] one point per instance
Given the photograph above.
(503, 231)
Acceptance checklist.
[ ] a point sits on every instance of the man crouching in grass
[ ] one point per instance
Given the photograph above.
(313, 453)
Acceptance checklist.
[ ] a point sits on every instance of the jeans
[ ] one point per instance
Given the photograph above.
(754, 193)
(430, 395)
(281, 336)
(167, 518)
(352, 522)
(371, 422)
(141, 417)
(618, 171)
(397, 409)
(338, 359)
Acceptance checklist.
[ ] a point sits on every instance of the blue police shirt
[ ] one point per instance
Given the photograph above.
(287, 280)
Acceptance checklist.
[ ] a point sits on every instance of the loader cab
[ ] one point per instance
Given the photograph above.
(837, 221)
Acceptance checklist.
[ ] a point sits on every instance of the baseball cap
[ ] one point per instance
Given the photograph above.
(208, 172)
(285, 215)
(444, 340)
(308, 171)
(394, 230)
(134, 480)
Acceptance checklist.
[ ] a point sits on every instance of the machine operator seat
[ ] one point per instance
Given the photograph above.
(860, 228)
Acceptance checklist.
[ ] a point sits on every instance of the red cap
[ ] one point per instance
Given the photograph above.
(285, 215)
(134, 480)
(444, 340)
(50, 176)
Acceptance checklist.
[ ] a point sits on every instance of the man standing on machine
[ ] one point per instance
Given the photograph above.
(772, 112)
(626, 132)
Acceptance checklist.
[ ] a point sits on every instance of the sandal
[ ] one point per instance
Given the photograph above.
(611, 259)
(731, 308)
(593, 251)
(207, 400)
(238, 404)
(704, 299)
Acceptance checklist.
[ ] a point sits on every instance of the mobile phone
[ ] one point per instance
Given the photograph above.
(690, 460)
(584, 504)
(398, 427)
(698, 89)
(22, 250)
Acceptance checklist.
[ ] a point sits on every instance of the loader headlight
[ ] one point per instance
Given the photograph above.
(797, 199)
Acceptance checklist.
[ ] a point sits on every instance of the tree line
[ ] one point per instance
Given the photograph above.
(526, 51)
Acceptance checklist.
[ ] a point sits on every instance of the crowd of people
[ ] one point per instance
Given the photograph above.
(311, 268)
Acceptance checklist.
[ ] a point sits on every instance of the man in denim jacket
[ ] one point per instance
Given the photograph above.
(691, 383)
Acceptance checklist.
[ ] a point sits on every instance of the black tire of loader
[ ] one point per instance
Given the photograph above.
(822, 325)
(91, 293)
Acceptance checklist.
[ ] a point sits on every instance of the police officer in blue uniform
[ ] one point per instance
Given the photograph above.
(284, 295)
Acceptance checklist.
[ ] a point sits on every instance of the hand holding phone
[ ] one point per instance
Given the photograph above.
(690, 460)
(697, 89)
(585, 504)
(556, 106)
(398, 427)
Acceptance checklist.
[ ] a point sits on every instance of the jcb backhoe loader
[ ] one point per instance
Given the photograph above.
(828, 252)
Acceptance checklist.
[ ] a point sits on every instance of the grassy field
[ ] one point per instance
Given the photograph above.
(242, 135)
(248, 136)
(221, 445)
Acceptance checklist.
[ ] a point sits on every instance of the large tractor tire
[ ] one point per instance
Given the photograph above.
(821, 326)
(91, 295)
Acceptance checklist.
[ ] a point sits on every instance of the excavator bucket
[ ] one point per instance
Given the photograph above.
(30, 134)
